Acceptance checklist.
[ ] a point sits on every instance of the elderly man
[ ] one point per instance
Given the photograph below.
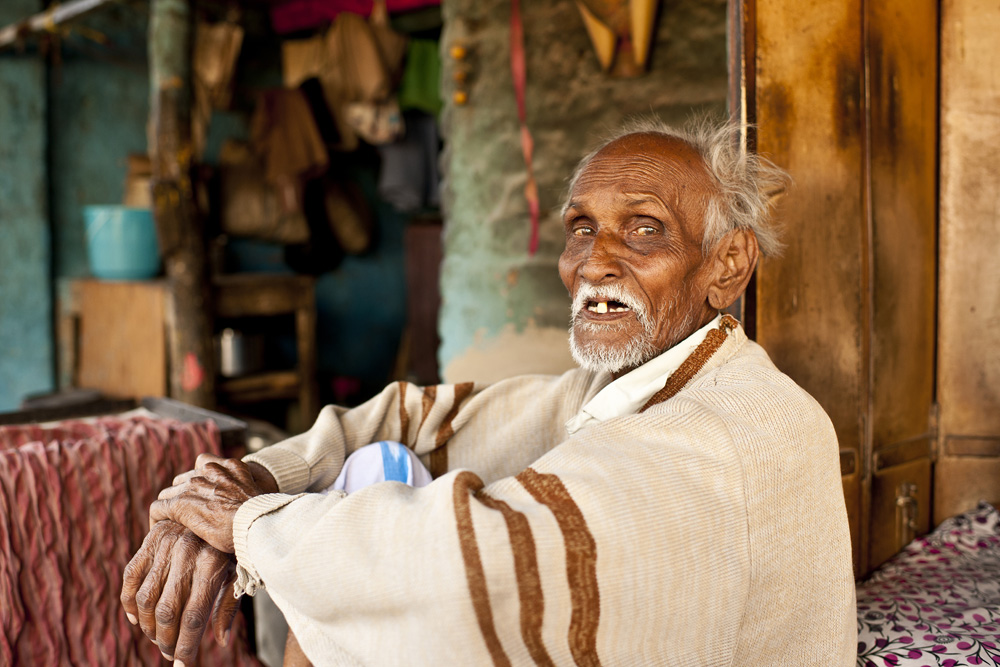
(674, 501)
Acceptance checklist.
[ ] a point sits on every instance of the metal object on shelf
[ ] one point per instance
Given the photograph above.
(239, 353)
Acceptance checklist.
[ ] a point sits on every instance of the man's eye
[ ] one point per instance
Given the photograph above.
(583, 231)
(646, 230)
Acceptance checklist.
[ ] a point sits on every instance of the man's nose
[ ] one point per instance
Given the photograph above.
(604, 260)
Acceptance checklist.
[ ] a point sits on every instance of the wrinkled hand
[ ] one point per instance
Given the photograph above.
(173, 585)
(206, 499)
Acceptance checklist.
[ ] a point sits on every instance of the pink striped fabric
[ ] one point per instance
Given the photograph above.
(74, 503)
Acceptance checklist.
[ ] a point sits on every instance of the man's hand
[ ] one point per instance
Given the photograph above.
(206, 499)
(171, 587)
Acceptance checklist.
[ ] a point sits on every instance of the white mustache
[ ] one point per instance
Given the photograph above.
(612, 292)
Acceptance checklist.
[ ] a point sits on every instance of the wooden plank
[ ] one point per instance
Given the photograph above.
(969, 315)
(812, 302)
(903, 452)
(966, 446)
(969, 288)
(123, 350)
(960, 482)
(254, 294)
(423, 301)
(261, 386)
(305, 335)
(902, 57)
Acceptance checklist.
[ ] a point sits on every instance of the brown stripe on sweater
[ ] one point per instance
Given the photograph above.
(694, 363)
(581, 563)
(529, 584)
(439, 457)
(426, 403)
(404, 415)
(465, 484)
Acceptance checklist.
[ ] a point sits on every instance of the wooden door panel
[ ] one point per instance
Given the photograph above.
(969, 340)
(969, 313)
(902, 57)
(811, 301)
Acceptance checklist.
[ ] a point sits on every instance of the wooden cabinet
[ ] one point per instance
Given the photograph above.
(122, 337)
(844, 95)
(886, 302)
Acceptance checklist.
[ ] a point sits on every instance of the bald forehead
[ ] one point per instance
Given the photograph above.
(655, 151)
(649, 163)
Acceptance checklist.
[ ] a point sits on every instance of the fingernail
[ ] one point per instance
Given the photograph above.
(131, 619)
(178, 663)
(168, 657)
(225, 638)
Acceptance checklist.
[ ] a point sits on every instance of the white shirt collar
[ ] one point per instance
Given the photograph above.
(630, 392)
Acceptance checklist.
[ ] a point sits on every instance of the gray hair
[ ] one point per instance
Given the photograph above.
(746, 184)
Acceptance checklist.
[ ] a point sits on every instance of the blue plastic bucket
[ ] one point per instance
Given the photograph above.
(121, 242)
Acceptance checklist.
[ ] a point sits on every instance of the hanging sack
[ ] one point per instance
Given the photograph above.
(216, 50)
(349, 216)
(354, 71)
(391, 44)
(251, 207)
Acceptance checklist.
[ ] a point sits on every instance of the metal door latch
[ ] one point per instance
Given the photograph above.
(907, 509)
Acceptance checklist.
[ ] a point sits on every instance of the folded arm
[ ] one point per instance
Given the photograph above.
(524, 569)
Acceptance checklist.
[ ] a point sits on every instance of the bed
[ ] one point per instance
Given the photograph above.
(937, 602)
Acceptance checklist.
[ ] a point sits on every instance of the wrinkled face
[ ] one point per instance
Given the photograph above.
(633, 261)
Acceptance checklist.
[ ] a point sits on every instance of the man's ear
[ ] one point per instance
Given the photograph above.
(734, 259)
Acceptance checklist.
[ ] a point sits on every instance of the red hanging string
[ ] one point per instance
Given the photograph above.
(518, 71)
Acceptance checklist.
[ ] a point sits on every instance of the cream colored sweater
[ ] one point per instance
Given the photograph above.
(708, 530)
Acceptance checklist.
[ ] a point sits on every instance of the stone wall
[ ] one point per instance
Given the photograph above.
(503, 312)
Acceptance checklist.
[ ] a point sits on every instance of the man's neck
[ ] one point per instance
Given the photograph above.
(708, 317)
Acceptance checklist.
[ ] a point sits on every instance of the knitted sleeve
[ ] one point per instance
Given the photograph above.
(481, 427)
(595, 553)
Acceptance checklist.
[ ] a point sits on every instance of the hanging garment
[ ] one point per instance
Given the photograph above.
(409, 178)
(421, 85)
(285, 135)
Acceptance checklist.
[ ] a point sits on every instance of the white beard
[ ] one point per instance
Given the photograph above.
(632, 352)
(598, 357)
(595, 356)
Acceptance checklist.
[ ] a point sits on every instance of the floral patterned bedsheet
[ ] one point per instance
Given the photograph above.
(936, 603)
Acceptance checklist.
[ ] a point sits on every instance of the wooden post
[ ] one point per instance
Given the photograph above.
(180, 229)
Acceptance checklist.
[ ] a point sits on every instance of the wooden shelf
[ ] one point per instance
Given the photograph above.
(114, 337)
(261, 386)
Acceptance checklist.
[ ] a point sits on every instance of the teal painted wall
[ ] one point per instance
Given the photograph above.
(26, 364)
(65, 131)
(99, 103)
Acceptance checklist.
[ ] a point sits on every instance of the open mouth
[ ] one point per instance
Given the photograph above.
(608, 306)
